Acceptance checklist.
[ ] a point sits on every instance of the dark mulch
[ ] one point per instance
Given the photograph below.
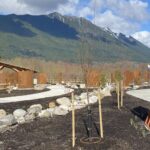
(4, 93)
(55, 133)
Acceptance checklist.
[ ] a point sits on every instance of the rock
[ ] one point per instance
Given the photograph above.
(83, 96)
(84, 101)
(18, 113)
(63, 101)
(93, 99)
(21, 120)
(8, 120)
(77, 97)
(64, 107)
(44, 113)
(36, 105)
(135, 87)
(60, 111)
(51, 110)
(82, 86)
(2, 113)
(78, 105)
(52, 105)
(74, 86)
(35, 109)
(29, 117)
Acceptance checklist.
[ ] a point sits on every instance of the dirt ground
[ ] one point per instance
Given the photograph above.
(4, 93)
(55, 133)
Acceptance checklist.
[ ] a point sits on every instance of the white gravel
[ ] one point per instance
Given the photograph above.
(143, 94)
(54, 90)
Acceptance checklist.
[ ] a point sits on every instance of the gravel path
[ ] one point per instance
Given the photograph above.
(52, 92)
(143, 94)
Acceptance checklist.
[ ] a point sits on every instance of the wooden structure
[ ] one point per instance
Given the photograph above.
(20, 76)
(25, 79)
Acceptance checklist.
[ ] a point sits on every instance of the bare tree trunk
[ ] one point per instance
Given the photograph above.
(100, 115)
(73, 120)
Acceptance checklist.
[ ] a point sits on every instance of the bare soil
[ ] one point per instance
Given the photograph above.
(4, 93)
(55, 133)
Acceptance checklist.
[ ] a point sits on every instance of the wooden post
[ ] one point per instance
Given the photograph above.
(118, 95)
(122, 93)
(100, 115)
(73, 120)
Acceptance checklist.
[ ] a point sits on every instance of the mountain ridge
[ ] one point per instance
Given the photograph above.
(57, 37)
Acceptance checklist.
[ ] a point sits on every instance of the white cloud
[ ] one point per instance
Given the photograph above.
(143, 36)
(86, 11)
(69, 8)
(115, 23)
(131, 9)
(97, 3)
(42, 5)
(12, 6)
(36, 7)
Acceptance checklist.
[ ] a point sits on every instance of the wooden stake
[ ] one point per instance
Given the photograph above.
(100, 116)
(122, 92)
(73, 120)
(118, 95)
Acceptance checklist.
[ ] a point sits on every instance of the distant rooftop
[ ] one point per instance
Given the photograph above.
(15, 68)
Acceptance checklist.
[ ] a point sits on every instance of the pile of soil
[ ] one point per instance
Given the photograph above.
(55, 133)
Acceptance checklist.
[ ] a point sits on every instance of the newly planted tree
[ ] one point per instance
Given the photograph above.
(118, 79)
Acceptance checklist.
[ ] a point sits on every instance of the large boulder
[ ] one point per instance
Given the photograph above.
(64, 107)
(36, 105)
(8, 120)
(82, 86)
(29, 117)
(74, 86)
(78, 105)
(84, 101)
(93, 99)
(44, 114)
(60, 111)
(2, 113)
(52, 105)
(51, 110)
(18, 113)
(77, 97)
(64, 101)
(35, 109)
(83, 96)
(21, 120)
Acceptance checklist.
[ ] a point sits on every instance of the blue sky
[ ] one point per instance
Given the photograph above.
(131, 17)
